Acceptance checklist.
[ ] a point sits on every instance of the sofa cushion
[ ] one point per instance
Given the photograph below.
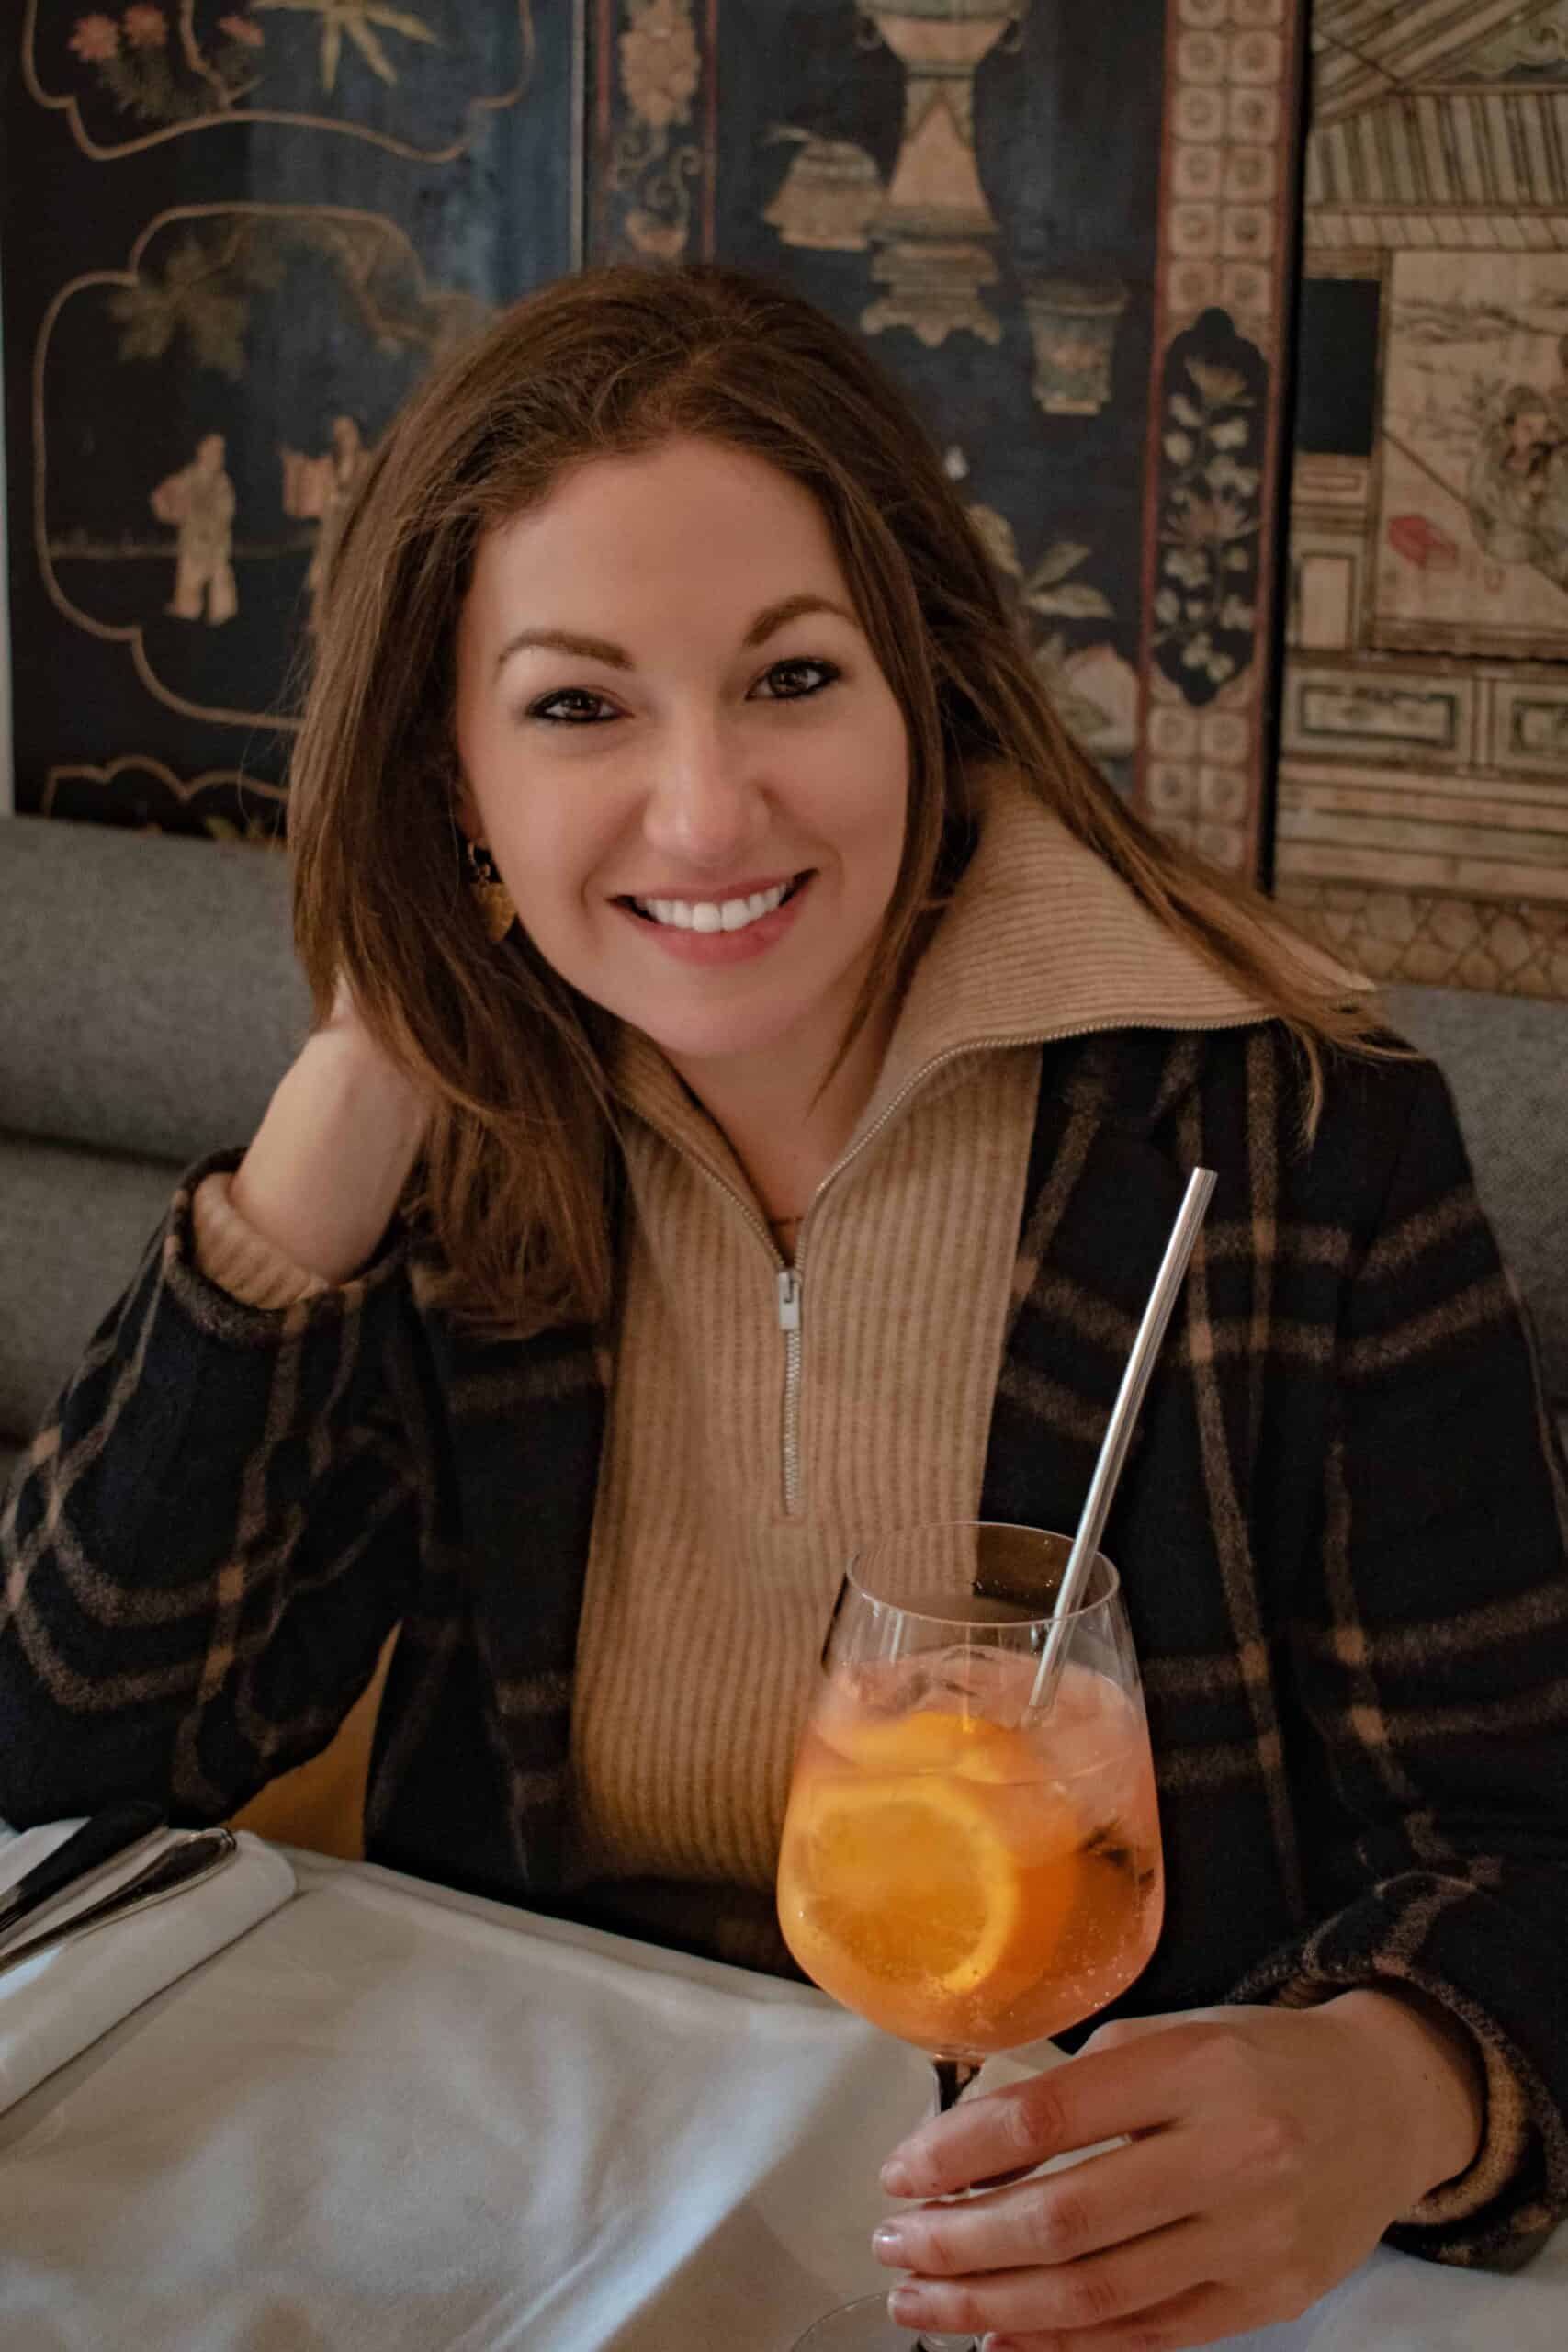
(152, 998)
(73, 1224)
(1506, 1057)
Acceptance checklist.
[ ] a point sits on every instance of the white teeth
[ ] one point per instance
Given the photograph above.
(708, 915)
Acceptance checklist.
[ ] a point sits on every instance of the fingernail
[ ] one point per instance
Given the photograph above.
(906, 2306)
(895, 2177)
(889, 2243)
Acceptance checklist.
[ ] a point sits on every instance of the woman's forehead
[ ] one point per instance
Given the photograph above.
(683, 470)
(690, 521)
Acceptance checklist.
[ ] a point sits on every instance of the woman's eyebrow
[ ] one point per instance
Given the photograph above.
(561, 640)
(615, 657)
(789, 608)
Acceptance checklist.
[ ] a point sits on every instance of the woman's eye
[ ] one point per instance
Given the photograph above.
(792, 681)
(573, 707)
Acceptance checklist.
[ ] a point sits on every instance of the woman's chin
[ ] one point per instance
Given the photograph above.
(716, 1043)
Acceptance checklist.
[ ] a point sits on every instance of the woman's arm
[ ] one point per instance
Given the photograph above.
(1430, 1657)
(210, 1539)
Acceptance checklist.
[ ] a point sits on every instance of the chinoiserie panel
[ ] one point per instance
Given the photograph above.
(1069, 231)
(1423, 810)
(235, 234)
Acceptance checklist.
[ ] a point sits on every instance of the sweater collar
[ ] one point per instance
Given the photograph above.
(1042, 940)
(1039, 940)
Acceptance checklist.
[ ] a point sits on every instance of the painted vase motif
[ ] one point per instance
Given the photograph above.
(831, 194)
(1074, 327)
(935, 230)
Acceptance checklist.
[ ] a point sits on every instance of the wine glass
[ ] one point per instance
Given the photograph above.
(970, 1855)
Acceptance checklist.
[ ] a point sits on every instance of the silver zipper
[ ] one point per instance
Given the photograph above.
(790, 1280)
(787, 1280)
(789, 1324)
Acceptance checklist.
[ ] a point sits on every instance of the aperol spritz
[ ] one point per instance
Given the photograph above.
(971, 1854)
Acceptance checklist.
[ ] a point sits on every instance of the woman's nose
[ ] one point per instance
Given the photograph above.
(704, 808)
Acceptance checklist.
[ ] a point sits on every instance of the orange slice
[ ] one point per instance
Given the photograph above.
(907, 1880)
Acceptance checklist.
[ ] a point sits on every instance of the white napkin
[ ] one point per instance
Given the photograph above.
(53, 2006)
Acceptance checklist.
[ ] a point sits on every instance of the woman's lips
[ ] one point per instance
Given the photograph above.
(722, 947)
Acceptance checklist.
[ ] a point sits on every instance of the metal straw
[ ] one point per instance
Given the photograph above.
(1118, 1437)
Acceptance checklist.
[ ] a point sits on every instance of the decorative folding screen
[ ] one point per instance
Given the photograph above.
(1423, 821)
(237, 231)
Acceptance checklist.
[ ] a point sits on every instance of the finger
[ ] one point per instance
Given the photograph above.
(1151, 2274)
(1204, 2315)
(1102, 2202)
(1098, 2095)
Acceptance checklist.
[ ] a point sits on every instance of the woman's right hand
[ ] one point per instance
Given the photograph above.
(328, 1164)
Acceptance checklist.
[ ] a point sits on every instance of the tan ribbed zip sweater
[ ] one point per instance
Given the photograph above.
(764, 1420)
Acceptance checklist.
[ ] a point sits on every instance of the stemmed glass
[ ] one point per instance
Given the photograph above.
(970, 1856)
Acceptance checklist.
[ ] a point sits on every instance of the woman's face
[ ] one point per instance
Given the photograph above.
(678, 744)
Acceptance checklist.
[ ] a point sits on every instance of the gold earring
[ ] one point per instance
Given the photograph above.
(491, 899)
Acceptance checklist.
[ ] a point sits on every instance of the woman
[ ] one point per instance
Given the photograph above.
(771, 1141)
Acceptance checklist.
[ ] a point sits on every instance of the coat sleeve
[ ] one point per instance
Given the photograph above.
(1430, 1655)
(207, 1542)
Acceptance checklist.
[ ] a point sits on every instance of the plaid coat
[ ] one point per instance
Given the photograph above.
(1341, 1529)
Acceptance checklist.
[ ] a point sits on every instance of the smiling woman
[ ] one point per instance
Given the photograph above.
(757, 1061)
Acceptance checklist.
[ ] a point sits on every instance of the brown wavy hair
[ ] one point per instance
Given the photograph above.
(521, 1153)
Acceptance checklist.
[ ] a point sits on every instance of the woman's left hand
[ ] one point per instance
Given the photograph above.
(1268, 2150)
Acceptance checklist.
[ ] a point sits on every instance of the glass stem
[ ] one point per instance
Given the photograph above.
(953, 2076)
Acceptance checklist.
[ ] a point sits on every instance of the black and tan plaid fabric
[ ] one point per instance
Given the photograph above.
(1341, 1532)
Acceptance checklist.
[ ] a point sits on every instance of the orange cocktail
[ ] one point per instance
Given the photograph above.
(971, 1853)
(964, 1875)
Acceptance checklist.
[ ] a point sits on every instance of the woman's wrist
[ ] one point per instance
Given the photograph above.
(1439, 2111)
(329, 1163)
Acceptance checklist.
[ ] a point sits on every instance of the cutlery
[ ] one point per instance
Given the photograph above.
(107, 1837)
(193, 1856)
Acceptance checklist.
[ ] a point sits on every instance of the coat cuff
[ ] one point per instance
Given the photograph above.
(1491, 2215)
(238, 1287)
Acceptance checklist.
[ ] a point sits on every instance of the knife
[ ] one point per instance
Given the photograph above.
(107, 1837)
(193, 1856)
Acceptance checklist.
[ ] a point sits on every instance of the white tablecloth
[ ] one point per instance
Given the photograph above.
(391, 2118)
(69, 1995)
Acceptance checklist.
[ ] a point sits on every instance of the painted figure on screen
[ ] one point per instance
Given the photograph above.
(318, 489)
(199, 501)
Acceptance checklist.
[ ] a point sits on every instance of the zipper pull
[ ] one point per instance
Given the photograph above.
(789, 1300)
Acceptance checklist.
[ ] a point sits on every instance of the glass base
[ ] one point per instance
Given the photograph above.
(865, 2327)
